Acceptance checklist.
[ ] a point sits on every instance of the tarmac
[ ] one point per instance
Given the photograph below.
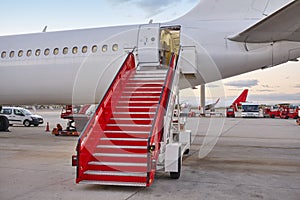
(252, 159)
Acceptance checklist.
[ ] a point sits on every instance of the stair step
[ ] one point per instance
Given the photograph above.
(132, 155)
(135, 109)
(128, 127)
(120, 157)
(136, 184)
(127, 132)
(140, 95)
(115, 173)
(121, 125)
(132, 121)
(141, 102)
(142, 88)
(126, 139)
(116, 178)
(143, 84)
(137, 104)
(117, 168)
(136, 93)
(151, 72)
(146, 79)
(121, 143)
(148, 76)
(111, 134)
(135, 99)
(120, 147)
(133, 115)
(123, 164)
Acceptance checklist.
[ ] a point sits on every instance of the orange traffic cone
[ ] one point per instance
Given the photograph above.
(47, 127)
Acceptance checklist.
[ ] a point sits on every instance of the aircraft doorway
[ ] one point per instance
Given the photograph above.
(169, 43)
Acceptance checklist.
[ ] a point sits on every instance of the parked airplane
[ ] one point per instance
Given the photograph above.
(216, 40)
(242, 98)
(212, 106)
(233, 108)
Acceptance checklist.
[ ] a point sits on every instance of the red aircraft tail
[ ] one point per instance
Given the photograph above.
(241, 98)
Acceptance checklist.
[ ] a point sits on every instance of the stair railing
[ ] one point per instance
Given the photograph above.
(157, 127)
(94, 129)
(170, 105)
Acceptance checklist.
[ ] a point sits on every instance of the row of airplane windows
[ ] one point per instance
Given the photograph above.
(55, 51)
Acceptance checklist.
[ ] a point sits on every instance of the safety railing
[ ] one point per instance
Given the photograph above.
(95, 127)
(157, 127)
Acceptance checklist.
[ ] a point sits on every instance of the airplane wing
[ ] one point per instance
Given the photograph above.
(284, 24)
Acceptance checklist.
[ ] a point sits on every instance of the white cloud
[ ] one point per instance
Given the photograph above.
(243, 83)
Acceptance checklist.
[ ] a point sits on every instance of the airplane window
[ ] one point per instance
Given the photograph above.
(38, 52)
(94, 49)
(11, 54)
(115, 47)
(84, 49)
(55, 51)
(3, 54)
(20, 54)
(29, 52)
(104, 48)
(65, 50)
(46, 52)
(75, 50)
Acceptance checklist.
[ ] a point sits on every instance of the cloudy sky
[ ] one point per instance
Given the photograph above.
(275, 85)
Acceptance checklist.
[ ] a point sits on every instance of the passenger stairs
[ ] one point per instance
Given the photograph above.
(122, 141)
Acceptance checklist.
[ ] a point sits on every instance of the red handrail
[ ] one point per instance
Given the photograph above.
(157, 127)
(94, 129)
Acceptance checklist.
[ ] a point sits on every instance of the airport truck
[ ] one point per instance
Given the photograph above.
(283, 111)
(250, 110)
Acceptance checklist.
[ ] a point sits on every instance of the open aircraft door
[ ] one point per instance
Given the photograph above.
(148, 45)
(188, 60)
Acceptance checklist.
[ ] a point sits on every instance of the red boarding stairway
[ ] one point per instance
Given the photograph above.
(120, 144)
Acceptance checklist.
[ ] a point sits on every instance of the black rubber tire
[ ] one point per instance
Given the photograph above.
(4, 123)
(26, 123)
(36, 125)
(186, 152)
(272, 116)
(176, 175)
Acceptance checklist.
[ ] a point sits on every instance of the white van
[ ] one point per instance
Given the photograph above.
(21, 116)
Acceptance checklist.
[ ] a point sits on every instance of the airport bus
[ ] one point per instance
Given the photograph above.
(250, 110)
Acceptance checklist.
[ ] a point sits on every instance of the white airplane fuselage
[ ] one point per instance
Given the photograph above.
(58, 77)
